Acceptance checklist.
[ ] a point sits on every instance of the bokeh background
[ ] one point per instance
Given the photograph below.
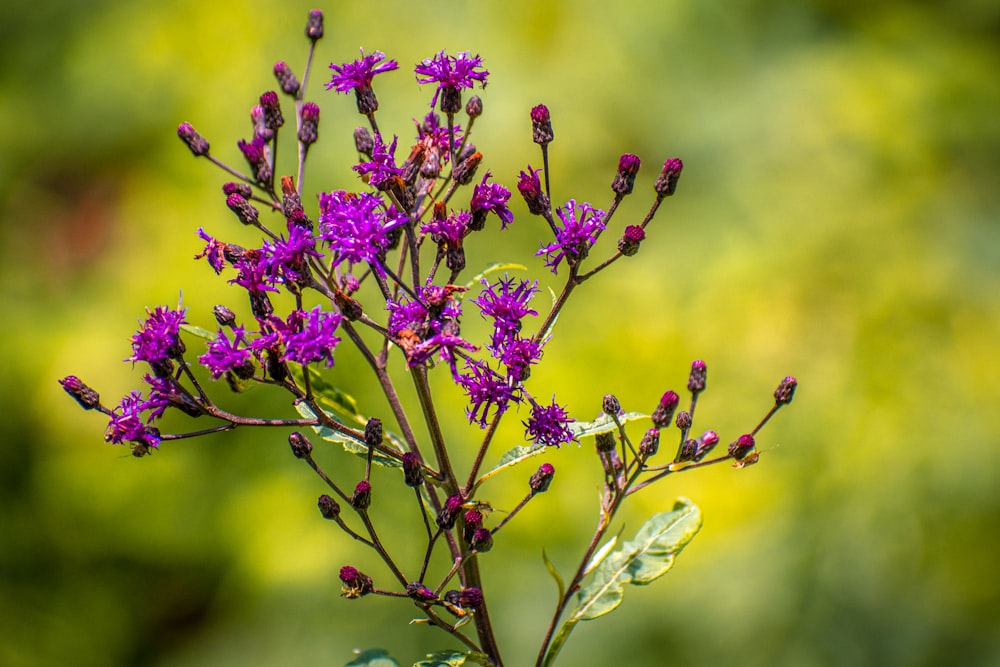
(837, 220)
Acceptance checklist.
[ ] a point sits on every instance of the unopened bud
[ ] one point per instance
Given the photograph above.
(706, 443)
(650, 443)
(239, 188)
(683, 420)
(785, 391)
(417, 591)
(474, 107)
(286, 79)
(356, 583)
(541, 125)
(364, 141)
(470, 598)
(84, 395)
(740, 447)
(482, 540)
(449, 513)
(301, 446)
(628, 167)
(273, 119)
(611, 406)
(224, 316)
(688, 450)
(664, 411)
(699, 373)
(413, 474)
(197, 143)
(605, 442)
(244, 210)
(309, 128)
(466, 169)
(628, 244)
(373, 432)
(540, 481)
(328, 507)
(362, 498)
(666, 184)
(314, 26)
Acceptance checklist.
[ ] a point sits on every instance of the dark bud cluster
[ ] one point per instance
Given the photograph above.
(197, 143)
(699, 373)
(611, 406)
(356, 583)
(420, 593)
(413, 474)
(650, 443)
(664, 412)
(474, 107)
(286, 79)
(244, 210)
(785, 391)
(362, 498)
(224, 316)
(666, 184)
(301, 447)
(628, 245)
(540, 481)
(739, 448)
(373, 432)
(449, 513)
(314, 26)
(328, 507)
(628, 167)
(309, 127)
(273, 118)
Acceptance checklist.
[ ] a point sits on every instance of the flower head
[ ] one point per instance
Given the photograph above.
(489, 197)
(224, 354)
(357, 227)
(358, 75)
(487, 390)
(287, 260)
(126, 424)
(158, 339)
(530, 187)
(315, 340)
(580, 226)
(506, 303)
(548, 424)
(382, 166)
(452, 74)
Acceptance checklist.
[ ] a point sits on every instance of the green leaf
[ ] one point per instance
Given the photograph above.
(603, 424)
(350, 445)
(453, 659)
(493, 268)
(600, 555)
(373, 657)
(198, 331)
(341, 404)
(550, 566)
(513, 457)
(639, 561)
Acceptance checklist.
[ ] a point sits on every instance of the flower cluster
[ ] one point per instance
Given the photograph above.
(383, 269)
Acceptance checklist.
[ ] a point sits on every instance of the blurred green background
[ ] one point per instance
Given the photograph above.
(837, 220)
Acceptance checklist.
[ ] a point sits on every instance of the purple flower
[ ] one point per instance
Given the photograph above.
(486, 389)
(580, 226)
(163, 393)
(224, 354)
(158, 340)
(126, 423)
(448, 234)
(256, 154)
(444, 344)
(358, 75)
(451, 73)
(288, 260)
(357, 227)
(507, 305)
(530, 187)
(315, 340)
(491, 197)
(518, 355)
(382, 167)
(253, 272)
(214, 252)
(548, 424)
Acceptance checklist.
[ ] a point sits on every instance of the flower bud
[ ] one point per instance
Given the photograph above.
(540, 481)
(740, 447)
(470, 598)
(417, 591)
(224, 316)
(611, 406)
(413, 474)
(699, 373)
(197, 143)
(362, 498)
(328, 507)
(541, 125)
(664, 411)
(466, 169)
(666, 184)
(301, 446)
(482, 540)
(706, 443)
(373, 432)
(286, 79)
(688, 450)
(650, 443)
(474, 107)
(314, 26)
(628, 244)
(356, 583)
(244, 210)
(449, 513)
(84, 395)
(273, 119)
(309, 128)
(628, 167)
(683, 420)
(239, 188)
(530, 187)
(785, 391)
(605, 442)
(364, 142)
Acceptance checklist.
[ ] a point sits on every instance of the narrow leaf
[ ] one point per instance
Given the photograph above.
(198, 331)
(493, 268)
(350, 445)
(340, 403)
(603, 424)
(513, 457)
(373, 657)
(550, 566)
(453, 659)
(600, 555)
